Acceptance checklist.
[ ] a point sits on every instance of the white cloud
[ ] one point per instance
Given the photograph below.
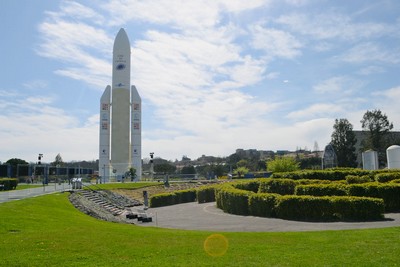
(338, 85)
(327, 25)
(316, 111)
(275, 43)
(71, 9)
(176, 13)
(366, 52)
(371, 70)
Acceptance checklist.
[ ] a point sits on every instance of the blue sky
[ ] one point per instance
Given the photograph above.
(213, 75)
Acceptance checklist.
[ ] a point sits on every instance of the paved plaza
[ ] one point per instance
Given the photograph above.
(194, 216)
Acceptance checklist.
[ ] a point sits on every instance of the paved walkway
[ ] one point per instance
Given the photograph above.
(32, 192)
(208, 217)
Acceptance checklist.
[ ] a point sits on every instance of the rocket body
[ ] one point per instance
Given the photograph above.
(121, 115)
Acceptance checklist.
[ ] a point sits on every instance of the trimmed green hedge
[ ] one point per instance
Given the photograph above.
(331, 174)
(292, 207)
(332, 189)
(354, 179)
(310, 208)
(387, 177)
(263, 205)
(278, 186)
(206, 194)
(251, 185)
(177, 197)
(390, 193)
(8, 183)
(232, 200)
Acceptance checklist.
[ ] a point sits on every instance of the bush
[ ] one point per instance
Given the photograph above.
(8, 183)
(252, 185)
(263, 205)
(283, 164)
(358, 208)
(353, 179)
(330, 175)
(390, 193)
(305, 208)
(387, 177)
(184, 196)
(206, 194)
(332, 189)
(277, 186)
(161, 200)
(232, 200)
(177, 197)
(310, 208)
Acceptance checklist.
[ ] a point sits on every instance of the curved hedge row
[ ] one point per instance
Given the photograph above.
(177, 197)
(338, 174)
(390, 193)
(278, 186)
(8, 183)
(332, 189)
(344, 208)
(206, 194)
(292, 207)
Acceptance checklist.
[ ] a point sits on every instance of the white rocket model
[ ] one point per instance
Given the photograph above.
(120, 117)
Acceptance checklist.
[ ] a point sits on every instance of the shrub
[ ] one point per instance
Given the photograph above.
(310, 208)
(184, 196)
(387, 177)
(278, 186)
(390, 193)
(206, 194)
(358, 208)
(177, 197)
(232, 200)
(283, 164)
(252, 185)
(8, 183)
(263, 205)
(161, 200)
(330, 174)
(332, 189)
(305, 208)
(353, 179)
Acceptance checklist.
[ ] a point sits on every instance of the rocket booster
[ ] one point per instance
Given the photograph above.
(120, 117)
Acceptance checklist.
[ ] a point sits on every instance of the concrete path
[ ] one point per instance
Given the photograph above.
(32, 192)
(208, 217)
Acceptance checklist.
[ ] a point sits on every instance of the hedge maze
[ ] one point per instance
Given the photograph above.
(332, 195)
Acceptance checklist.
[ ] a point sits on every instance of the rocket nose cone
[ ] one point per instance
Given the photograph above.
(121, 41)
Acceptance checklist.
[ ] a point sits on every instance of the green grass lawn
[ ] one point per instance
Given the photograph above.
(127, 185)
(27, 186)
(49, 231)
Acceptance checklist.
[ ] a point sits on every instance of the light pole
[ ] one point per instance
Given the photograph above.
(151, 165)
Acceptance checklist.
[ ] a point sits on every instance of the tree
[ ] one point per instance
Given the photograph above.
(165, 168)
(283, 164)
(241, 171)
(131, 173)
(377, 125)
(188, 170)
(58, 161)
(343, 141)
(14, 162)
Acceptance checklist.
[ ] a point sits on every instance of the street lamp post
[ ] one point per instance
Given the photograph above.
(151, 165)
